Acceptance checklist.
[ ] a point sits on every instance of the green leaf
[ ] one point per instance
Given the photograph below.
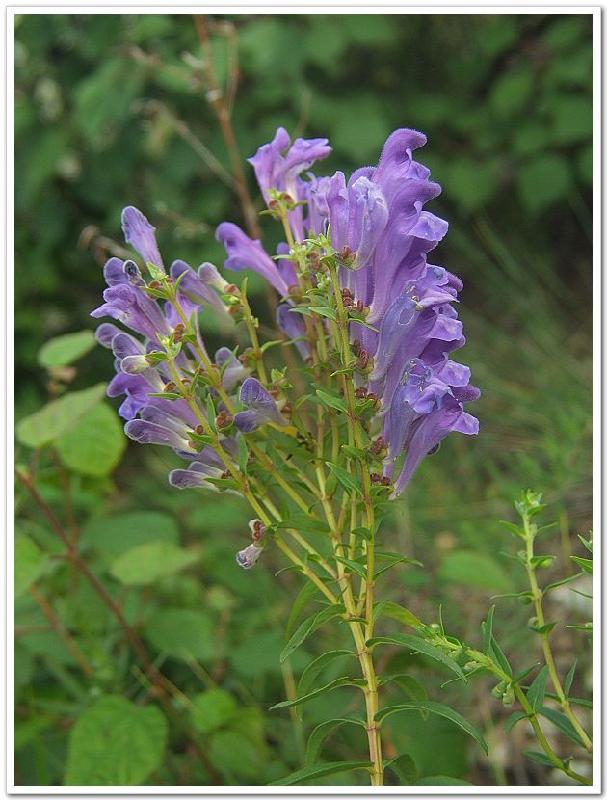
(348, 482)
(317, 771)
(29, 563)
(544, 180)
(562, 582)
(386, 608)
(515, 530)
(115, 743)
(117, 533)
(474, 570)
(58, 416)
(94, 446)
(442, 780)
(513, 719)
(328, 687)
(403, 767)
(308, 626)
(315, 667)
(569, 676)
(305, 593)
(412, 687)
(325, 311)
(332, 400)
(584, 563)
(535, 693)
(213, 709)
(149, 562)
(539, 758)
(353, 566)
(321, 732)
(561, 722)
(66, 349)
(182, 633)
(498, 655)
(487, 630)
(441, 710)
(419, 645)
(511, 92)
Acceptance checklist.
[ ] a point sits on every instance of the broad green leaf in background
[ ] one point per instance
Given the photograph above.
(95, 444)
(213, 709)
(543, 180)
(114, 534)
(474, 569)
(182, 633)
(58, 416)
(66, 349)
(115, 743)
(29, 563)
(148, 562)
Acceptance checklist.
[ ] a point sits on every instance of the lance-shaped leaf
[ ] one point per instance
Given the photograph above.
(419, 645)
(322, 731)
(439, 709)
(315, 667)
(308, 626)
(328, 687)
(386, 608)
(348, 482)
(317, 771)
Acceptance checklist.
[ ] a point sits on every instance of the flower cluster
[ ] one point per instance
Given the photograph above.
(374, 323)
(382, 234)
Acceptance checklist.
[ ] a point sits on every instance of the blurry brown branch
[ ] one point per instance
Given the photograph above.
(216, 97)
(56, 624)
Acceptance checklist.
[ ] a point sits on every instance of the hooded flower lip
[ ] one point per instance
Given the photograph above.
(140, 234)
(195, 476)
(278, 163)
(261, 407)
(246, 253)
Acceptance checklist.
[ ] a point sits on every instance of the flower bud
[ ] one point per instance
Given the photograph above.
(258, 529)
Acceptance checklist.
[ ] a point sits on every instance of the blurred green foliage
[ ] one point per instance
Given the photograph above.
(111, 110)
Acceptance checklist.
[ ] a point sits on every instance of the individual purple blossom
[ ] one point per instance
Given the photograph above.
(260, 407)
(195, 476)
(246, 253)
(232, 369)
(249, 556)
(292, 324)
(140, 234)
(278, 164)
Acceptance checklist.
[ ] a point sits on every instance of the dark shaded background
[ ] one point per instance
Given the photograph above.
(111, 110)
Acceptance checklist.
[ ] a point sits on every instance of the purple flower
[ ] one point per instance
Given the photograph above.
(261, 407)
(246, 253)
(292, 324)
(248, 557)
(232, 370)
(195, 476)
(140, 234)
(278, 163)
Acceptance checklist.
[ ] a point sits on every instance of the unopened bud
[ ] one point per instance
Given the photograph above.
(258, 529)
(223, 420)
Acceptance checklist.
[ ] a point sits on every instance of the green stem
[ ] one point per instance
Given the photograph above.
(545, 638)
